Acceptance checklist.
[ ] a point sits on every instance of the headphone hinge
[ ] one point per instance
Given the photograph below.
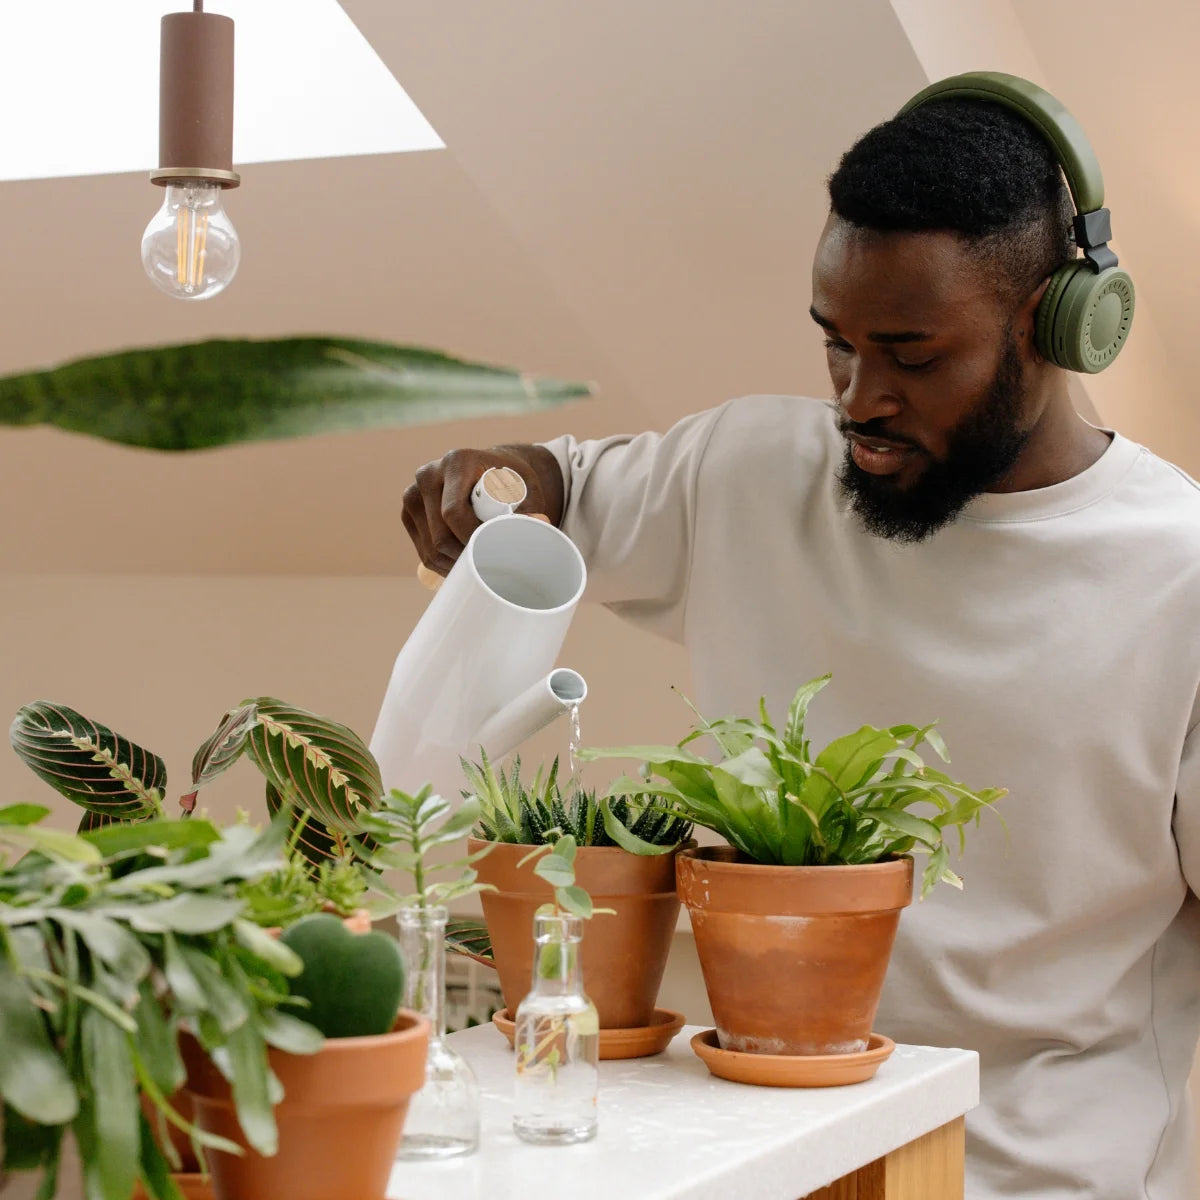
(1093, 231)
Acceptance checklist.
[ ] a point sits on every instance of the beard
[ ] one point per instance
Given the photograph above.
(981, 449)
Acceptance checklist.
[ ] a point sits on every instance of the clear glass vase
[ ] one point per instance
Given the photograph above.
(443, 1117)
(557, 1041)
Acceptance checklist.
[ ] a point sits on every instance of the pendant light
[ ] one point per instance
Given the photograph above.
(190, 248)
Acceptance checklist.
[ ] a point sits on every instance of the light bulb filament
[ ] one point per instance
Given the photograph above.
(191, 237)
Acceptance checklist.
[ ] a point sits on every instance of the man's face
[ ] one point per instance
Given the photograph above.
(926, 371)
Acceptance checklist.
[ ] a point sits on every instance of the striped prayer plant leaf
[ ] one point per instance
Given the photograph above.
(101, 771)
(319, 765)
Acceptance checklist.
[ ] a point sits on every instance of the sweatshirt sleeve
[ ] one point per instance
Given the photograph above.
(630, 507)
(1187, 808)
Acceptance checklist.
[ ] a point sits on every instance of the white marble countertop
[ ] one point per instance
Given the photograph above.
(669, 1130)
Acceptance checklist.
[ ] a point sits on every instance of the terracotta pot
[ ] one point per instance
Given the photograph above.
(192, 1186)
(339, 1122)
(793, 957)
(624, 956)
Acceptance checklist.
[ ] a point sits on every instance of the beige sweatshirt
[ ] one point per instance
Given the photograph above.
(1056, 636)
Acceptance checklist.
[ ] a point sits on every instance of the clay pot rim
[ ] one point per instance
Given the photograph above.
(682, 848)
(410, 1026)
(715, 857)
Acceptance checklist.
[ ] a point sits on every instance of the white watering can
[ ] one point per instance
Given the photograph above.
(478, 668)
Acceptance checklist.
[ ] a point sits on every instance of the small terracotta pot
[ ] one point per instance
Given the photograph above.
(793, 957)
(340, 1120)
(624, 955)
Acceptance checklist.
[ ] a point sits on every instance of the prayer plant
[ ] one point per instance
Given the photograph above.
(321, 772)
(774, 801)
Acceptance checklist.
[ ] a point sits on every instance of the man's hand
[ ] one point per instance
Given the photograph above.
(437, 507)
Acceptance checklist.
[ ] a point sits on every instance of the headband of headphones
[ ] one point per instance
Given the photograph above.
(1093, 227)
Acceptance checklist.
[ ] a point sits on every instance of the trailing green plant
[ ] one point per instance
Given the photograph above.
(111, 943)
(772, 800)
(537, 813)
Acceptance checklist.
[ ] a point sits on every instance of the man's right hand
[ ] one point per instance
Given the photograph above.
(437, 507)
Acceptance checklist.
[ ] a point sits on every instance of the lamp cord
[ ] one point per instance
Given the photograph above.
(197, 5)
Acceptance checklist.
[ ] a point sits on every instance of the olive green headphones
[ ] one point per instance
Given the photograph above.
(1084, 316)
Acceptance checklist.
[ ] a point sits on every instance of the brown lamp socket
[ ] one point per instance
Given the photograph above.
(195, 100)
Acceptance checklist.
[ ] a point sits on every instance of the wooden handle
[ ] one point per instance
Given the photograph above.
(432, 580)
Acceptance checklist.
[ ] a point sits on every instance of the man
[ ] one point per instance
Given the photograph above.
(952, 541)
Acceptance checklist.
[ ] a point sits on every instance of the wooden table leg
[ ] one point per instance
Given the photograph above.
(930, 1168)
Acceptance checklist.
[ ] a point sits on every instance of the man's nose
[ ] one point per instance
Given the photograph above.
(868, 395)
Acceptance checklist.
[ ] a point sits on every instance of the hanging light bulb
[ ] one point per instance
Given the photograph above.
(190, 248)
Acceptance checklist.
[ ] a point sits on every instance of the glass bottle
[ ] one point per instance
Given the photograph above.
(443, 1117)
(557, 1041)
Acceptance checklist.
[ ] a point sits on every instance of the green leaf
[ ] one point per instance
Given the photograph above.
(224, 746)
(575, 900)
(222, 1001)
(112, 1104)
(189, 912)
(222, 392)
(88, 763)
(54, 843)
(22, 814)
(291, 1034)
(248, 1067)
(158, 1043)
(108, 940)
(190, 997)
(625, 838)
(323, 766)
(28, 1145)
(906, 823)
(798, 710)
(33, 1078)
(470, 938)
(555, 870)
(163, 833)
(270, 949)
(155, 1170)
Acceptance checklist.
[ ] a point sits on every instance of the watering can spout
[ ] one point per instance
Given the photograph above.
(531, 711)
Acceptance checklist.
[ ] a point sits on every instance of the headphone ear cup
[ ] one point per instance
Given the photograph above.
(1085, 317)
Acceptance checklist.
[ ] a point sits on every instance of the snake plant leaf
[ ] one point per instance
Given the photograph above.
(324, 767)
(220, 751)
(197, 395)
(88, 763)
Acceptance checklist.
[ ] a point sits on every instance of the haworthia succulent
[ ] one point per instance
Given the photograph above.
(216, 393)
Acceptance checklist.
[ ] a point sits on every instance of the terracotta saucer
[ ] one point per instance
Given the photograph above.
(620, 1043)
(792, 1070)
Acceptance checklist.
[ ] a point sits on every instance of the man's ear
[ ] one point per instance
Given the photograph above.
(1026, 321)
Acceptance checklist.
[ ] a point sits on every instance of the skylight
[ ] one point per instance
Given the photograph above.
(79, 86)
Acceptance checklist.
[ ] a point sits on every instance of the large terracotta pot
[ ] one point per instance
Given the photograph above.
(624, 956)
(340, 1120)
(793, 957)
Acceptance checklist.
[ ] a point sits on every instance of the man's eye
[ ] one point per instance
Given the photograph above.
(834, 344)
(924, 365)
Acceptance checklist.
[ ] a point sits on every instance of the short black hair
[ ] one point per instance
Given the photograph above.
(970, 167)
